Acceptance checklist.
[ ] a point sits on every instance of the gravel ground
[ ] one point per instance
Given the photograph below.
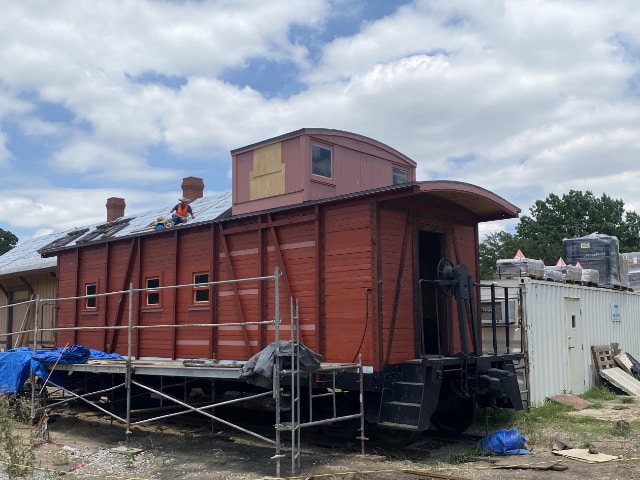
(88, 446)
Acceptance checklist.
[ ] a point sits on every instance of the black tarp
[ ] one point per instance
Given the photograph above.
(259, 369)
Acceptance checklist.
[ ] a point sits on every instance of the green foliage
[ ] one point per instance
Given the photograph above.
(574, 214)
(17, 449)
(7, 241)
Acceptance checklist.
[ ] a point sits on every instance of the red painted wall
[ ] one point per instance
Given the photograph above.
(351, 264)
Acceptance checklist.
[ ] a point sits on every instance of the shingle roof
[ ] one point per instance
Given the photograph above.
(26, 258)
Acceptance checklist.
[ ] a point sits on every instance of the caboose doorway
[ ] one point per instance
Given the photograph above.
(434, 329)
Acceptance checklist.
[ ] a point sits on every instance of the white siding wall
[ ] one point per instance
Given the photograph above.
(546, 337)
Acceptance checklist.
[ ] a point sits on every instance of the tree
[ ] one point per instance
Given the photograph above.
(575, 214)
(7, 241)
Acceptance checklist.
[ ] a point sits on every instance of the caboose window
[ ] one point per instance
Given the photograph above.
(153, 296)
(400, 176)
(200, 293)
(90, 290)
(321, 161)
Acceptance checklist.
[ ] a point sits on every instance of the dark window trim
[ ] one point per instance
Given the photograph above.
(152, 291)
(90, 296)
(318, 176)
(206, 288)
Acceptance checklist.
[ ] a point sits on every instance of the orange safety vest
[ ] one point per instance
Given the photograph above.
(182, 210)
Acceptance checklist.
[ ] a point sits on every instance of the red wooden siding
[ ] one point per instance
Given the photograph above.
(239, 302)
(194, 256)
(158, 260)
(398, 315)
(351, 264)
(292, 247)
(347, 283)
(122, 267)
(67, 280)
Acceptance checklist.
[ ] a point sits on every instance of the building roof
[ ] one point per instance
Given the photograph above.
(38, 254)
(26, 256)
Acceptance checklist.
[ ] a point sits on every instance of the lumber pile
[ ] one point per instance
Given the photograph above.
(617, 368)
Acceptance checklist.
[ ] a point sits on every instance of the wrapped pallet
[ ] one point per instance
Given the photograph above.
(633, 264)
(590, 276)
(553, 274)
(598, 252)
(520, 267)
(572, 274)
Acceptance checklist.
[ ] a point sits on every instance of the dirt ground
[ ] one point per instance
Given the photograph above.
(86, 445)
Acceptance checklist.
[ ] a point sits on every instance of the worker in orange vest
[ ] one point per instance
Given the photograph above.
(181, 211)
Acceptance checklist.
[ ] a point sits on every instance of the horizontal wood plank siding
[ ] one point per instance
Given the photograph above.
(67, 275)
(340, 259)
(238, 302)
(294, 251)
(158, 259)
(194, 257)
(347, 277)
(401, 330)
(120, 254)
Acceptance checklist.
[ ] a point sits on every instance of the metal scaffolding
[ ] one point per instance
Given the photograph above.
(136, 373)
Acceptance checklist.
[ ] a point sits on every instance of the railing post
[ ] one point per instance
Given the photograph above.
(35, 347)
(128, 373)
(506, 319)
(276, 364)
(494, 326)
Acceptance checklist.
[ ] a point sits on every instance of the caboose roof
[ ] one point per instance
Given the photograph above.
(483, 204)
(328, 132)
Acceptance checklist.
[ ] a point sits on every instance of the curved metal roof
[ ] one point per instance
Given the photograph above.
(324, 132)
(486, 205)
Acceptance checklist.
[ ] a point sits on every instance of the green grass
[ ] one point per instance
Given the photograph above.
(600, 394)
(542, 424)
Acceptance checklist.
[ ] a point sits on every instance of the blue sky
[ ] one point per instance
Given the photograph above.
(103, 98)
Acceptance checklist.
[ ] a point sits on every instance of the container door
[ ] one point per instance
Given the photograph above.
(575, 347)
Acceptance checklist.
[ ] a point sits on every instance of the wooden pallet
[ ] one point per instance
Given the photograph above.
(506, 276)
(603, 358)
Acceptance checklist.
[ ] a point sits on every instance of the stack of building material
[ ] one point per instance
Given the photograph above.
(590, 276)
(553, 274)
(618, 369)
(563, 273)
(633, 263)
(520, 267)
(572, 274)
(597, 252)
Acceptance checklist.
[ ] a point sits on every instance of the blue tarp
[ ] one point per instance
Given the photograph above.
(505, 442)
(16, 363)
(14, 369)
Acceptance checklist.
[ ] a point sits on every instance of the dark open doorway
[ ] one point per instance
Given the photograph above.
(433, 324)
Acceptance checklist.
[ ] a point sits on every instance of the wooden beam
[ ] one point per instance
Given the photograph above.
(236, 296)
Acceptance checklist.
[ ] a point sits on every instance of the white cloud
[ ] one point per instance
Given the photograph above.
(522, 98)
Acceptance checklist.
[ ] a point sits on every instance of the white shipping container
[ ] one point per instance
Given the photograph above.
(560, 323)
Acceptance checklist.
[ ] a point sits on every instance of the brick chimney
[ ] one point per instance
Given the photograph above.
(192, 188)
(115, 208)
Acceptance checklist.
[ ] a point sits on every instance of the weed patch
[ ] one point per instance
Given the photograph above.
(15, 438)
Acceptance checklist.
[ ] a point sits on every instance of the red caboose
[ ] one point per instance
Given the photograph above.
(362, 247)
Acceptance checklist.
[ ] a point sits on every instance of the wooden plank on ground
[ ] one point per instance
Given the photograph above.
(583, 455)
(433, 475)
(622, 360)
(530, 464)
(625, 382)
